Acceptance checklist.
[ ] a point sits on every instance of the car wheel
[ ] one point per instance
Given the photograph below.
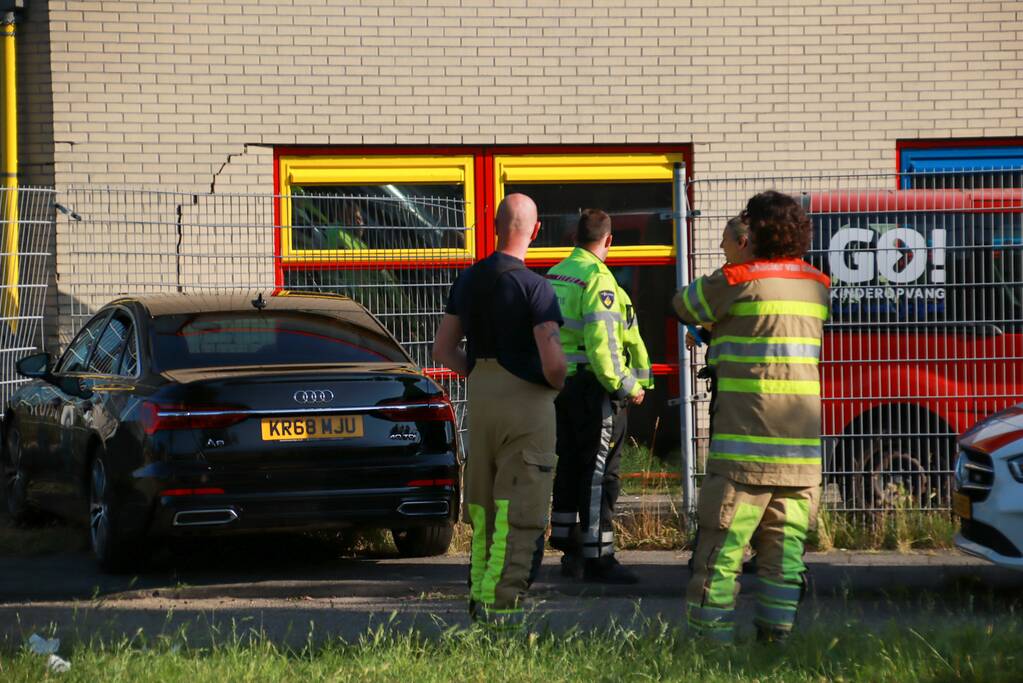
(114, 553)
(889, 471)
(16, 479)
(423, 541)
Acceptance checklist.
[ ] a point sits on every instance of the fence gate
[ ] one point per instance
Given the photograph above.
(925, 336)
(26, 264)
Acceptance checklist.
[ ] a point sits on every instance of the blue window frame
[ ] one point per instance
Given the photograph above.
(963, 167)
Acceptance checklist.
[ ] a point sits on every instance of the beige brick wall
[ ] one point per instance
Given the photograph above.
(194, 95)
(165, 93)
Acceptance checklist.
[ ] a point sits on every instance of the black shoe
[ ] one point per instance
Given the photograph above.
(572, 566)
(608, 570)
(777, 636)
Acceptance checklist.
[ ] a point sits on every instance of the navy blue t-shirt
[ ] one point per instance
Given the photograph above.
(521, 301)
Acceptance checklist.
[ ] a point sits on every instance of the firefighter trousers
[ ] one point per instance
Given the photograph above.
(591, 429)
(508, 477)
(731, 515)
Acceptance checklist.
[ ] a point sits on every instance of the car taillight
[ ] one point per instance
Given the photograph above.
(191, 492)
(436, 409)
(157, 417)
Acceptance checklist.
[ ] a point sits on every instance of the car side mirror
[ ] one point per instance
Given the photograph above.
(72, 386)
(37, 366)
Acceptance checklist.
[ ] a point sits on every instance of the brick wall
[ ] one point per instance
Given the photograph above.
(151, 92)
(195, 95)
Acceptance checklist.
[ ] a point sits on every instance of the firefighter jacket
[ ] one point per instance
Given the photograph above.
(594, 333)
(767, 319)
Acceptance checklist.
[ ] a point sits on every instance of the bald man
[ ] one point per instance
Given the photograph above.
(510, 318)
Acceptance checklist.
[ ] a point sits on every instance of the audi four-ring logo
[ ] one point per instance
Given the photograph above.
(314, 396)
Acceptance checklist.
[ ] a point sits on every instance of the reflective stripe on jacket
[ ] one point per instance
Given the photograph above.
(594, 330)
(636, 357)
(767, 319)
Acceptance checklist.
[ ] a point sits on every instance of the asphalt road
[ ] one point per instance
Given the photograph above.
(292, 594)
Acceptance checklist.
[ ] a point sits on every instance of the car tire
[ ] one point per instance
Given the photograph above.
(114, 552)
(423, 541)
(15, 479)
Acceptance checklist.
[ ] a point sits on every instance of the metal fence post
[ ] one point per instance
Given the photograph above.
(685, 392)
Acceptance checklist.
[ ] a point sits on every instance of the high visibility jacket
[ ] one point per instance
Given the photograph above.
(637, 360)
(594, 330)
(768, 319)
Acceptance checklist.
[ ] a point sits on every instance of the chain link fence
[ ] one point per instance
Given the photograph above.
(26, 265)
(925, 336)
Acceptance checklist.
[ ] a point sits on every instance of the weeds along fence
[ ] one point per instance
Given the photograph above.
(925, 335)
(396, 254)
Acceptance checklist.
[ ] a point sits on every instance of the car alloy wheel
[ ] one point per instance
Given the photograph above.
(15, 478)
(99, 509)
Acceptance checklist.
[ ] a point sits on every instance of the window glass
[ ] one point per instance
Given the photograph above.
(635, 209)
(110, 345)
(386, 216)
(130, 357)
(77, 354)
(269, 338)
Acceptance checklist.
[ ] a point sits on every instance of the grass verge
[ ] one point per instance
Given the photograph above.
(846, 652)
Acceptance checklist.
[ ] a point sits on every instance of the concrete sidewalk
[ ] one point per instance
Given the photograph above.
(346, 598)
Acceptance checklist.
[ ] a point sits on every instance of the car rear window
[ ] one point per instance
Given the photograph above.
(202, 340)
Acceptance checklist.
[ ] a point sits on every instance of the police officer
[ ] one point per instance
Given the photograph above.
(600, 338)
(515, 365)
(764, 466)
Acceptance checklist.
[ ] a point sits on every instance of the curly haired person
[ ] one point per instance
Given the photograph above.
(766, 317)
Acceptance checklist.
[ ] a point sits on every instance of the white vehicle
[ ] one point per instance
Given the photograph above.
(988, 494)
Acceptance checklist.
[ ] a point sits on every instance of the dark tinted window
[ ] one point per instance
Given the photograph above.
(355, 217)
(271, 338)
(636, 210)
(77, 355)
(105, 358)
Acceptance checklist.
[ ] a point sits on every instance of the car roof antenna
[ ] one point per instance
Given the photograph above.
(259, 302)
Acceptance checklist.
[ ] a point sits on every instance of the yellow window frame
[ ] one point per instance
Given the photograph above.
(368, 170)
(581, 168)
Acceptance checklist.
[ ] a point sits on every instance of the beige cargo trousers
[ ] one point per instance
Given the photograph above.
(508, 480)
(775, 520)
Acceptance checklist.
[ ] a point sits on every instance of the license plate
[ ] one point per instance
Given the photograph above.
(305, 428)
(961, 505)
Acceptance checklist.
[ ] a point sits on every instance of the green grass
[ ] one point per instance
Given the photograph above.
(842, 653)
(638, 460)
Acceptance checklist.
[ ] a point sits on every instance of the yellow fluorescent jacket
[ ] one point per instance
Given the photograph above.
(600, 328)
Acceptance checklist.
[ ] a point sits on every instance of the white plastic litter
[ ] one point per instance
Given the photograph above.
(48, 647)
(58, 665)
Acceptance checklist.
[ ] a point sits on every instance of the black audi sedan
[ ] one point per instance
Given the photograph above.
(177, 415)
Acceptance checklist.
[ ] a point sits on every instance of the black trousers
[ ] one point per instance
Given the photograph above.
(591, 429)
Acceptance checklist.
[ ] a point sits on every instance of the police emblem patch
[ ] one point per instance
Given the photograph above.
(607, 298)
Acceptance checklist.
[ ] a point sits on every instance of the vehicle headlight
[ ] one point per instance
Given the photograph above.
(960, 470)
(1015, 468)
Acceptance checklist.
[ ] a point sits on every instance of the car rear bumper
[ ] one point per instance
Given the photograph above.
(305, 510)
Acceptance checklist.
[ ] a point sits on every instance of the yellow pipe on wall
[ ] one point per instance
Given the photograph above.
(9, 268)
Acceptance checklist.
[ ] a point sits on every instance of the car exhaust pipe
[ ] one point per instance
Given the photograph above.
(205, 517)
(422, 508)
